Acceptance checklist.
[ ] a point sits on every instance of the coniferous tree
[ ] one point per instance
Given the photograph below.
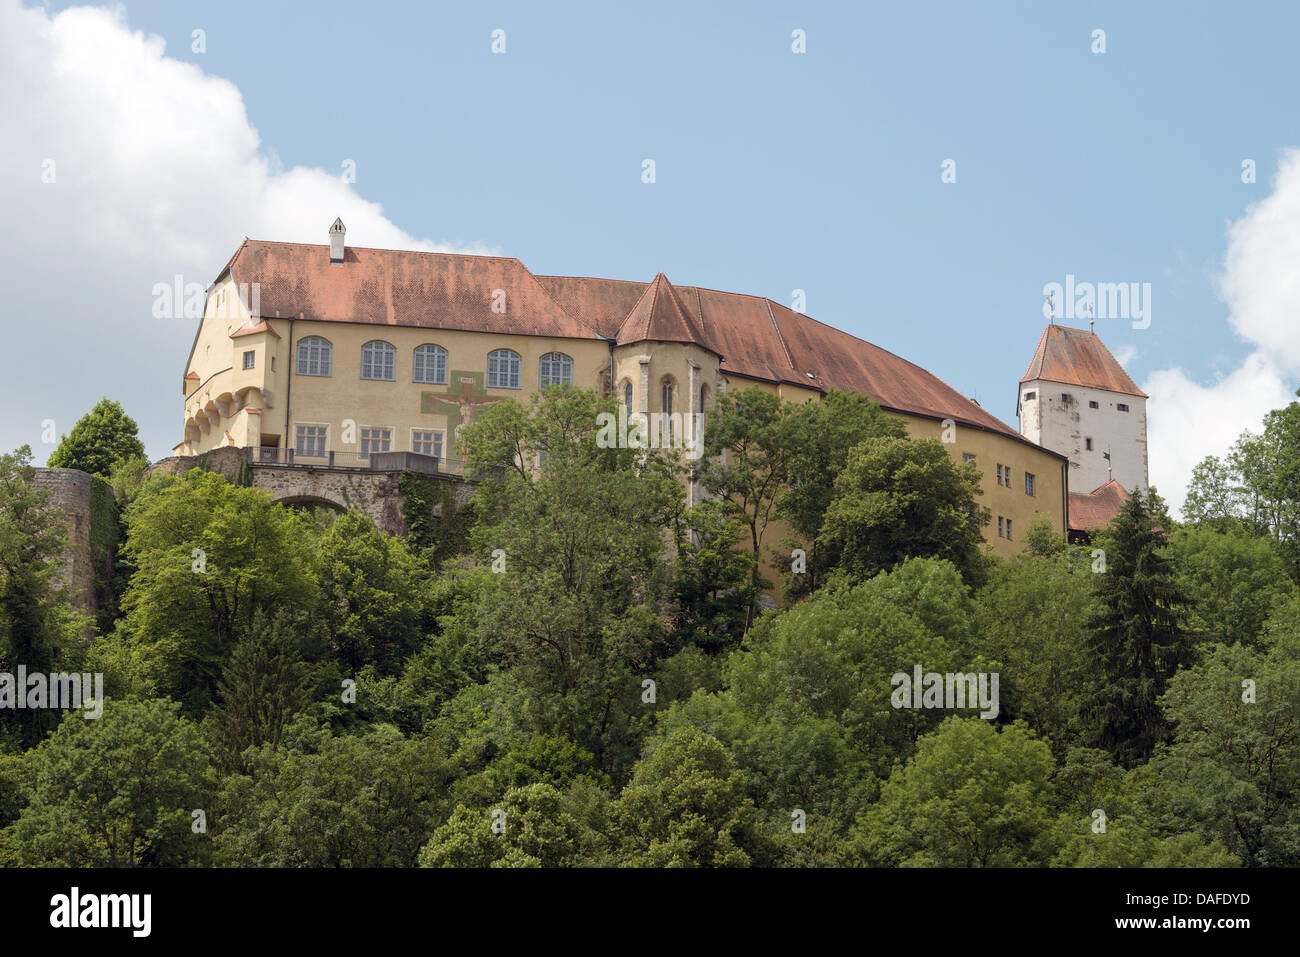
(1136, 635)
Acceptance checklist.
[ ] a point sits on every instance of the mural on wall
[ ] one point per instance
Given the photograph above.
(457, 404)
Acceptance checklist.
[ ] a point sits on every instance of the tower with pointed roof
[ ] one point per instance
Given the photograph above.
(1076, 399)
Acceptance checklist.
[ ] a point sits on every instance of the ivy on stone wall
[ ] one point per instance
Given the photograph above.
(438, 527)
(105, 534)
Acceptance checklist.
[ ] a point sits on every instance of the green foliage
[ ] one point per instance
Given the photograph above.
(686, 807)
(99, 440)
(208, 556)
(330, 800)
(1232, 581)
(899, 498)
(438, 528)
(971, 796)
(118, 791)
(1136, 632)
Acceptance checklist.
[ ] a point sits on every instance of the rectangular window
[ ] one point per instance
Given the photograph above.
(1065, 397)
(967, 457)
(999, 526)
(1030, 396)
(999, 473)
(1008, 529)
(1122, 407)
(1029, 483)
(249, 358)
(1087, 444)
(375, 440)
(309, 441)
(1006, 476)
(1093, 405)
(426, 442)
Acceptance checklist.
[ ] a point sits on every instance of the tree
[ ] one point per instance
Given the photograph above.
(971, 796)
(578, 600)
(1214, 494)
(1136, 634)
(686, 806)
(531, 826)
(119, 791)
(820, 436)
(99, 440)
(904, 498)
(209, 555)
(1232, 581)
(326, 800)
(1032, 621)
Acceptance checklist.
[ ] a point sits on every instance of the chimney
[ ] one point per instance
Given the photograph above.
(337, 232)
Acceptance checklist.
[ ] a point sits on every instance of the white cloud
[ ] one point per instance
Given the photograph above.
(1261, 285)
(157, 172)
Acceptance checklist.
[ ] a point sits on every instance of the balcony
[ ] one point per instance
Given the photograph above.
(351, 460)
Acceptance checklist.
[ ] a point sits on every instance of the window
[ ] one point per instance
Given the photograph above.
(503, 369)
(1006, 476)
(1065, 397)
(309, 440)
(555, 369)
(1030, 396)
(250, 357)
(314, 356)
(429, 364)
(426, 442)
(1008, 529)
(1029, 483)
(967, 457)
(1092, 404)
(379, 361)
(1122, 407)
(375, 440)
(999, 473)
(999, 526)
(627, 396)
(1087, 444)
(668, 397)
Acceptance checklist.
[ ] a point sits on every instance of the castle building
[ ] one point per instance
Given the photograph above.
(328, 354)
(1076, 399)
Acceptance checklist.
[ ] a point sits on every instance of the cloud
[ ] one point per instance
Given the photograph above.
(156, 171)
(1260, 284)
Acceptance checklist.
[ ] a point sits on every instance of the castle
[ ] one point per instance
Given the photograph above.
(325, 355)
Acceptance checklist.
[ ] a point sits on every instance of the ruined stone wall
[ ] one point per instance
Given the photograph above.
(84, 504)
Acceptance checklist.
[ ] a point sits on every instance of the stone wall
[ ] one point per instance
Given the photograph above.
(89, 517)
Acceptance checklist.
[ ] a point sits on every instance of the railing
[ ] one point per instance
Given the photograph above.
(350, 459)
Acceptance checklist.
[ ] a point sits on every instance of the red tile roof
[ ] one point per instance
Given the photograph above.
(252, 329)
(401, 288)
(659, 316)
(1090, 511)
(1078, 357)
(755, 337)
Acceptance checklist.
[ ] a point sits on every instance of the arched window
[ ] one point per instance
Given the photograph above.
(429, 364)
(555, 369)
(704, 397)
(627, 396)
(668, 397)
(503, 369)
(315, 356)
(379, 360)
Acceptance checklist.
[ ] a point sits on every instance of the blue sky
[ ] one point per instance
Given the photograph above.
(778, 171)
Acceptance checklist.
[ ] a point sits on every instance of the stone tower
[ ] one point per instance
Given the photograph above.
(1076, 399)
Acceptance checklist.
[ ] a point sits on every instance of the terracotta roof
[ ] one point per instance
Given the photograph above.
(191, 375)
(401, 288)
(755, 337)
(659, 316)
(1078, 357)
(252, 329)
(1090, 511)
(764, 340)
